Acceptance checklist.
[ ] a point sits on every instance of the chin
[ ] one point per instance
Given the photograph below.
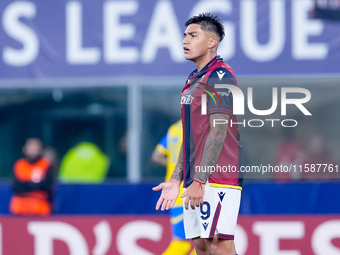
(189, 58)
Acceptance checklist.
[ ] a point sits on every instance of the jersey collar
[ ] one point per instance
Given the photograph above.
(207, 66)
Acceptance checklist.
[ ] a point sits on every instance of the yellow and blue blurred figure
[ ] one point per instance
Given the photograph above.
(166, 154)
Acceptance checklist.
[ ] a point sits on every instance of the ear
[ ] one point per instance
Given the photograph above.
(213, 42)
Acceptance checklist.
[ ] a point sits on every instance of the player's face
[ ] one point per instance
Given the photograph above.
(196, 42)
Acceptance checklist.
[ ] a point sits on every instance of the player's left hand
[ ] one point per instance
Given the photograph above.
(170, 192)
(194, 194)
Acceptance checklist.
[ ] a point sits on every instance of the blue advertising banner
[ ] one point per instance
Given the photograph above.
(97, 38)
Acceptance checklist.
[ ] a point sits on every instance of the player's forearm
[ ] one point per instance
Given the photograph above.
(212, 149)
(159, 158)
(178, 171)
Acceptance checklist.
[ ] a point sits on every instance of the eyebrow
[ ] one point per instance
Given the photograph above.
(190, 33)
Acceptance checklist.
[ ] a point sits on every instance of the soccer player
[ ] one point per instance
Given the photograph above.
(166, 154)
(210, 154)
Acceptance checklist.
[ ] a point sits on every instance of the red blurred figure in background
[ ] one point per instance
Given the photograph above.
(33, 181)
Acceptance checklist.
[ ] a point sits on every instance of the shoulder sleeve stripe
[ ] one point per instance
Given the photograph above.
(219, 110)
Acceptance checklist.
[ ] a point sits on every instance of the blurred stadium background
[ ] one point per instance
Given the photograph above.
(112, 72)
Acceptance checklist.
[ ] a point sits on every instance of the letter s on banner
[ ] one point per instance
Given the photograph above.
(20, 32)
(129, 234)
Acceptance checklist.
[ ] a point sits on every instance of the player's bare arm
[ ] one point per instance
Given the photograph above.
(213, 146)
(158, 158)
(212, 150)
(170, 189)
(178, 171)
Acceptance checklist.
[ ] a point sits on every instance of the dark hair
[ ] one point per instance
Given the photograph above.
(208, 22)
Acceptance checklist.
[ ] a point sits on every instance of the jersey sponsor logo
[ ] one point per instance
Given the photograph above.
(211, 95)
(187, 99)
(221, 195)
(205, 225)
(220, 74)
(222, 93)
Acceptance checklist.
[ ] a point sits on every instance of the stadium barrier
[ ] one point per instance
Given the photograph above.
(124, 198)
(142, 235)
(294, 218)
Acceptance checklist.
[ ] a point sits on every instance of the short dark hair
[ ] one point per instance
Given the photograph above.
(208, 22)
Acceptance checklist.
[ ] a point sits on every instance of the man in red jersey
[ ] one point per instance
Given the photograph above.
(210, 156)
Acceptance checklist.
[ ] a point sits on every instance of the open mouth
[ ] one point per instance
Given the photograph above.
(185, 49)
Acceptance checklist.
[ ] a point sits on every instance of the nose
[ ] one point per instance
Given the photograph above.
(185, 40)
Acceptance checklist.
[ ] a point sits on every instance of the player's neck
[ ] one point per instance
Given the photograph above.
(204, 60)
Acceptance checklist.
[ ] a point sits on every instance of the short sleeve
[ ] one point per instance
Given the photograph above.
(221, 99)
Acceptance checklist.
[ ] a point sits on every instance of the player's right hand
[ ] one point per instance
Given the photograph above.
(170, 191)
